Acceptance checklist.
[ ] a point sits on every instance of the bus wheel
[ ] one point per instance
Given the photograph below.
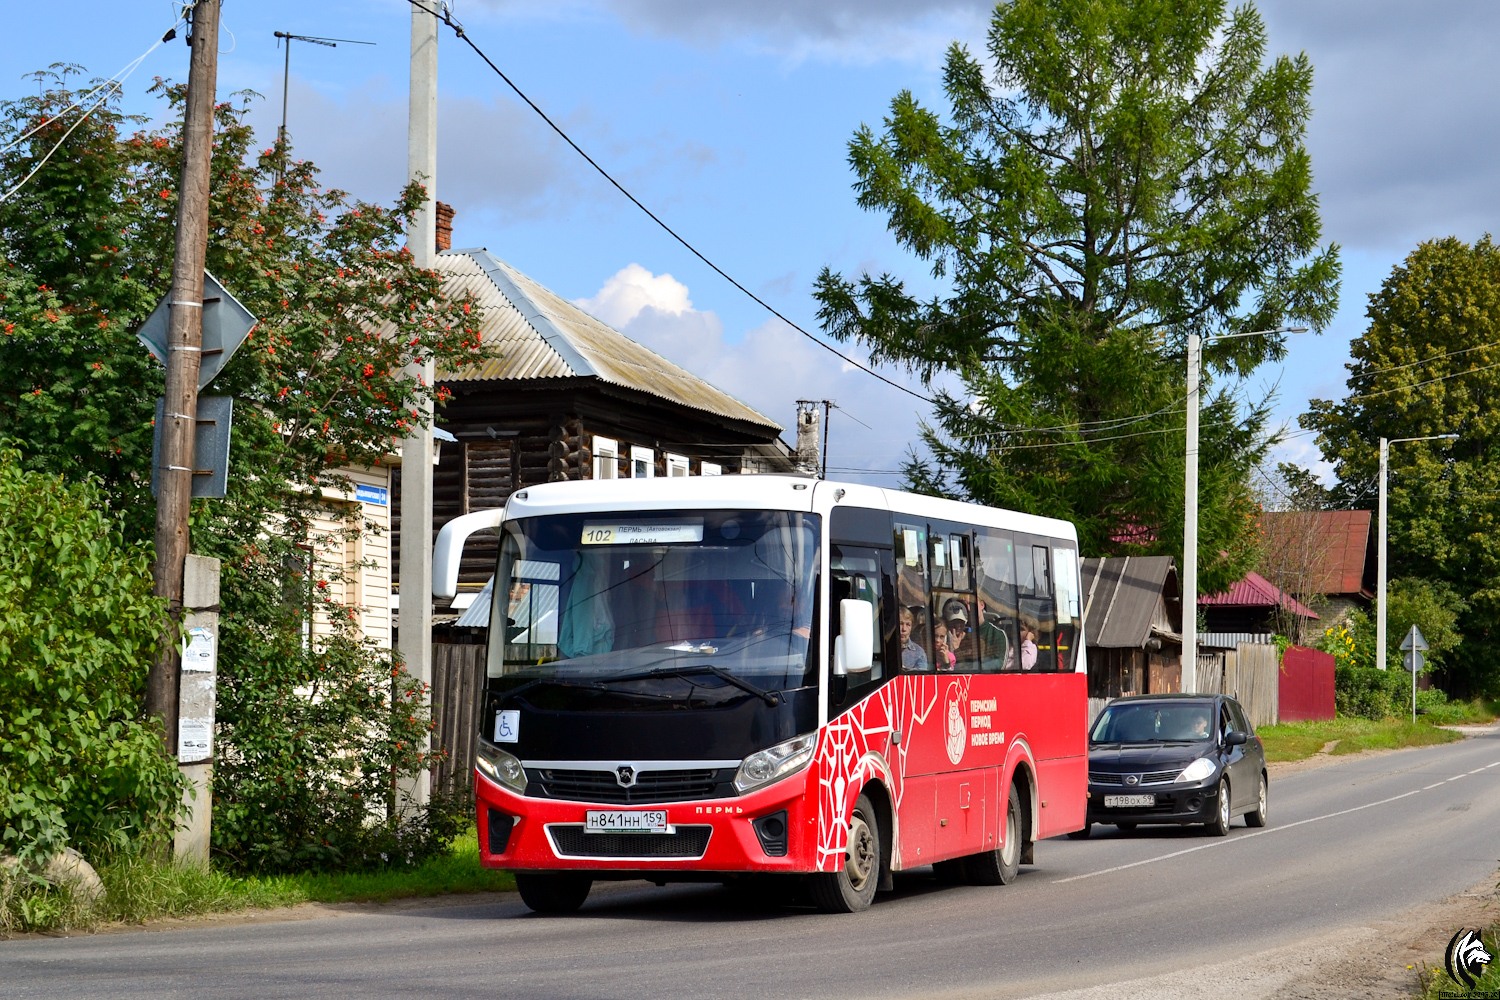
(559, 893)
(1001, 866)
(852, 887)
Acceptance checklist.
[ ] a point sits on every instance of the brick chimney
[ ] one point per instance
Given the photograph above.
(444, 227)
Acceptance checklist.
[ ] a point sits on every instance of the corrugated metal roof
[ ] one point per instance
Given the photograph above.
(1337, 543)
(1229, 640)
(541, 335)
(1255, 591)
(1120, 598)
(477, 615)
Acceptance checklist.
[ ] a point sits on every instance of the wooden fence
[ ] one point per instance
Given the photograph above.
(1249, 674)
(457, 681)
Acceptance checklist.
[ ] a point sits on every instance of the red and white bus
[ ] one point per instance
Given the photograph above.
(706, 678)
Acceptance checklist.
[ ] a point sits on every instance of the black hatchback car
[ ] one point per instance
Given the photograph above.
(1175, 758)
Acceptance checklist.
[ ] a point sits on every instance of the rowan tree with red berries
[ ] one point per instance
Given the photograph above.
(309, 733)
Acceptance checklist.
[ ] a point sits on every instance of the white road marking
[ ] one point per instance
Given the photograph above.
(1270, 829)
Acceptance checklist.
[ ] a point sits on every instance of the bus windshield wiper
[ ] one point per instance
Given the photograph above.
(772, 698)
(589, 684)
(554, 681)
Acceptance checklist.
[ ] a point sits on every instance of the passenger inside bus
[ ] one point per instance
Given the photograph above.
(956, 619)
(912, 657)
(942, 655)
(1028, 645)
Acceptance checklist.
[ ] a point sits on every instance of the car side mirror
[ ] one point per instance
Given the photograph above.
(1236, 739)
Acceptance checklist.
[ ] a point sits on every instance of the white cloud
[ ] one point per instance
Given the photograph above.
(840, 32)
(769, 368)
(631, 291)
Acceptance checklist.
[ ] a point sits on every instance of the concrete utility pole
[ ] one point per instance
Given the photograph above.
(1190, 522)
(184, 355)
(1190, 499)
(415, 643)
(1380, 558)
(809, 451)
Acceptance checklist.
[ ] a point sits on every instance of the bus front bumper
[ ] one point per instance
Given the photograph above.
(772, 830)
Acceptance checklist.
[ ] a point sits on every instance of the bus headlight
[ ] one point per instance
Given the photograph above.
(775, 763)
(500, 767)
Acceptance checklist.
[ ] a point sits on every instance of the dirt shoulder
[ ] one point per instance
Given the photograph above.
(1387, 960)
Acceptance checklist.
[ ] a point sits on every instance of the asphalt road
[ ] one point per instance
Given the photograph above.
(1350, 843)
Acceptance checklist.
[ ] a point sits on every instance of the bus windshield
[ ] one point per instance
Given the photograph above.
(622, 596)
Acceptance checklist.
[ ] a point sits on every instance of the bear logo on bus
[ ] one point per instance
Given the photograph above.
(958, 731)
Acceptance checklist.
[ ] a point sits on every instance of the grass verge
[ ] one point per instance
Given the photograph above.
(1438, 985)
(1292, 741)
(141, 889)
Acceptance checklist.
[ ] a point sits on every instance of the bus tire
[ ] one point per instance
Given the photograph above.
(852, 887)
(1002, 865)
(553, 892)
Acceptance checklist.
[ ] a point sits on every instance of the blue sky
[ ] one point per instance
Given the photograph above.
(730, 120)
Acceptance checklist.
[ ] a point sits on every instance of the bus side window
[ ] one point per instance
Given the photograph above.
(911, 583)
(1041, 610)
(1065, 573)
(995, 565)
(856, 573)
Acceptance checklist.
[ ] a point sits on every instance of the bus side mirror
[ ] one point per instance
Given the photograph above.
(854, 649)
(449, 548)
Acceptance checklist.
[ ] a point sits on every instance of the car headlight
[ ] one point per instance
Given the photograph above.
(501, 767)
(775, 763)
(1197, 770)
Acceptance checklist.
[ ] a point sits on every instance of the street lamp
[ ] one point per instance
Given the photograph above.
(1190, 494)
(1385, 448)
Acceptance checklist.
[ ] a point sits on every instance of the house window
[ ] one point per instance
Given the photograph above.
(642, 462)
(710, 469)
(606, 458)
(677, 465)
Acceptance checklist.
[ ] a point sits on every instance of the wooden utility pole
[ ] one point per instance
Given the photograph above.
(174, 475)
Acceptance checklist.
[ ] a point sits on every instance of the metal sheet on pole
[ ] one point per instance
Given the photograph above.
(226, 322)
(210, 446)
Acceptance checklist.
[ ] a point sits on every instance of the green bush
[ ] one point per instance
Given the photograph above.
(78, 632)
(315, 740)
(1368, 693)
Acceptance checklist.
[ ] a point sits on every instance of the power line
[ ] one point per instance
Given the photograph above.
(458, 29)
(1104, 425)
(109, 87)
(1370, 373)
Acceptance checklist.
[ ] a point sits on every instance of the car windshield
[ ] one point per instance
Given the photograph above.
(1153, 722)
(618, 598)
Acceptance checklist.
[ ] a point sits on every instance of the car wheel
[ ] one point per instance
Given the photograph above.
(1219, 825)
(1257, 816)
(1003, 865)
(852, 887)
(1127, 827)
(1081, 834)
(562, 893)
